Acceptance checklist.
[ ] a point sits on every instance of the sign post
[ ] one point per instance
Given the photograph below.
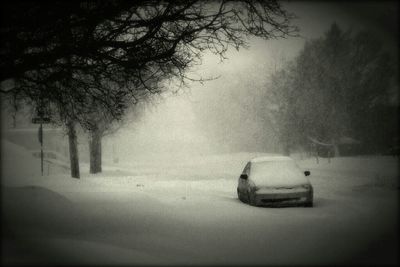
(41, 120)
(42, 117)
(41, 147)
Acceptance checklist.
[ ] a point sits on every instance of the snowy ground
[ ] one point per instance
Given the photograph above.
(185, 211)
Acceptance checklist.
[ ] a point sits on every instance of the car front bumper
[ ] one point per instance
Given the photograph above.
(283, 197)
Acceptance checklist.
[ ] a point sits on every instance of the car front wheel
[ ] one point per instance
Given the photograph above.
(240, 196)
(309, 204)
(251, 199)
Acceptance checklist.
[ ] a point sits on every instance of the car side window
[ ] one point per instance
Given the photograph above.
(246, 169)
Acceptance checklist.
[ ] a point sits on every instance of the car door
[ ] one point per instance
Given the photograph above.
(242, 184)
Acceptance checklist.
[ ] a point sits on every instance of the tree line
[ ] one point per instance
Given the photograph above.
(339, 87)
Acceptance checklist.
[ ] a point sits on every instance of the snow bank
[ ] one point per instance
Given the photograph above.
(352, 172)
(33, 210)
(17, 161)
(19, 167)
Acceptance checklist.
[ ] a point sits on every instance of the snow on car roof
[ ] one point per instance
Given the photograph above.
(270, 158)
(276, 171)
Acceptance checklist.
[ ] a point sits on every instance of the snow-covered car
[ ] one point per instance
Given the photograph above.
(274, 181)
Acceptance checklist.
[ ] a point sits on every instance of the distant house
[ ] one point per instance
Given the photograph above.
(347, 147)
(54, 141)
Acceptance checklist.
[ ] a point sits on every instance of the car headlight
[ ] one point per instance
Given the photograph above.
(254, 188)
(306, 186)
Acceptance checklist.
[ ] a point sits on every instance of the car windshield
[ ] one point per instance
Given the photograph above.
(277, 174)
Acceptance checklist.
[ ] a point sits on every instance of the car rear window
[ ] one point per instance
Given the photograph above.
(277, 174)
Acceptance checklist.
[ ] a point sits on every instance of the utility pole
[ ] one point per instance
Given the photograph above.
(41, 146)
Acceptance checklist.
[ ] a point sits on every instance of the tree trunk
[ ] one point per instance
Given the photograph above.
(73, 150)
(336, 151)
(115, 155)
(95, 151)
(14, 120)
(285, 146)
(286, 150)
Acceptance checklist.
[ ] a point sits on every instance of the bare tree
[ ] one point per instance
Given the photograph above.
(70, 53)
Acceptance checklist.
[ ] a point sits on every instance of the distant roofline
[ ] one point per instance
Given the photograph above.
(31, 129)
(270, 158)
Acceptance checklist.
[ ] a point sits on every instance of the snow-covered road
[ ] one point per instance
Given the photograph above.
(184, 212)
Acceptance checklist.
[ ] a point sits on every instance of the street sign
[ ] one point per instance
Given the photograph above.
(38, 120)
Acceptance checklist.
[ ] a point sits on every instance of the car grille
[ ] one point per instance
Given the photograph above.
(280, 200)
(283, 200)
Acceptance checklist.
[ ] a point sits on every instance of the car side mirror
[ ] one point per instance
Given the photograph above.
(307, 173)
(244, 176)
